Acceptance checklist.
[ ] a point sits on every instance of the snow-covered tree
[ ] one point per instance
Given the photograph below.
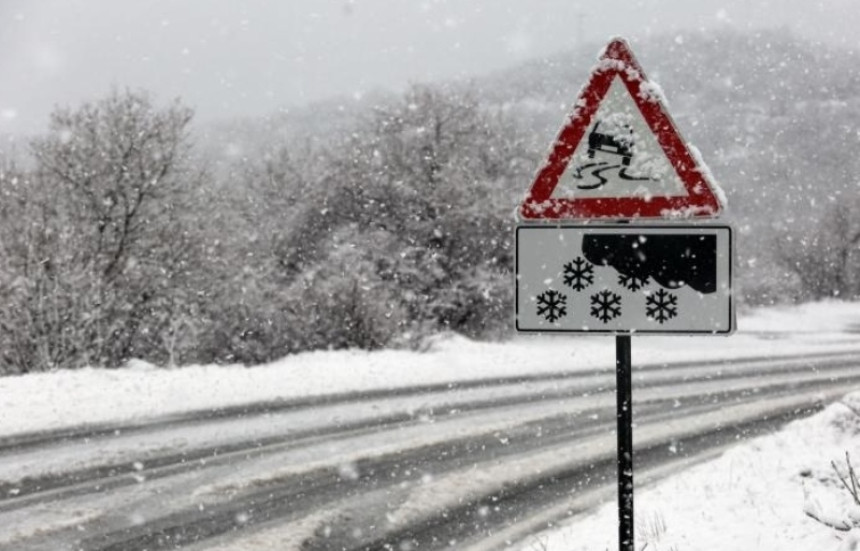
(826, 261)
(425, 184)
(98, 247)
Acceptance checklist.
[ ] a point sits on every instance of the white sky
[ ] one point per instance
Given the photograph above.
(251, 57)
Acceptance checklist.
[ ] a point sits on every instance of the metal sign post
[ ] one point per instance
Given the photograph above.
(624, 412)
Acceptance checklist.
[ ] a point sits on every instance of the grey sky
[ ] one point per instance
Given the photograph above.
(252, 57)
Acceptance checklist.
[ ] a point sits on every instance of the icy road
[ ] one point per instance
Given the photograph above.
(476, 464)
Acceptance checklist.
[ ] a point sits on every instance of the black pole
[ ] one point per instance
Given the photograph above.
(624, 410)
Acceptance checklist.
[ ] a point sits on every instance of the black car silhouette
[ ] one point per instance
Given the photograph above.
(607, 142)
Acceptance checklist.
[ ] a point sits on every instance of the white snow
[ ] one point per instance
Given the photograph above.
(653, 92)
(755, 496)
(45, 401)
(709, 176)
(750, 494)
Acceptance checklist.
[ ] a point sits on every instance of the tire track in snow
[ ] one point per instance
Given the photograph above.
(18, 493)
(294, 497)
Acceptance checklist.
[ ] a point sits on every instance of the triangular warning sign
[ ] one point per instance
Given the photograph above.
(619, 155)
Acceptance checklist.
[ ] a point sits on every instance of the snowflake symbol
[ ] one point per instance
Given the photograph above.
(578, 274)
(605, 306)
(661, 306)
(551, 305)
(632, 282)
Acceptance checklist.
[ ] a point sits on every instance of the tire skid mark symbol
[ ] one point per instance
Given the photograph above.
(580, 168)
(601, 167)
(624, 176)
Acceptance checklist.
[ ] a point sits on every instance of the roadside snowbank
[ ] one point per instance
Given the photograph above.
(752, 497)
(45, 401)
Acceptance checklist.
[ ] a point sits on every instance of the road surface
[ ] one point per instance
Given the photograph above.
(472, 465)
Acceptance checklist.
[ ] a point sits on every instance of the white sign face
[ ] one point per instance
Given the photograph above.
(625, 278)
(619, 156)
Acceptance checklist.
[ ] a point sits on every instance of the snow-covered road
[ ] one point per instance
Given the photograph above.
(464, 445)
(479, 462)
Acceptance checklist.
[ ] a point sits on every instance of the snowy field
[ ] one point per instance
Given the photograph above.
(46, 401)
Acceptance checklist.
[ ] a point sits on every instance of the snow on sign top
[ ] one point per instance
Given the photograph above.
(619, 155)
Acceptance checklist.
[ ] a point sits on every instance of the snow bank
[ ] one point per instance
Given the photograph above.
(45, 401)
(755, 496)
(825, 316)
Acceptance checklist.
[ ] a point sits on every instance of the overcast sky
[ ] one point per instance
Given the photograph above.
(252, 57)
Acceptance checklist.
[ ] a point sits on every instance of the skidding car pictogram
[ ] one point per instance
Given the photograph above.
(597, 141)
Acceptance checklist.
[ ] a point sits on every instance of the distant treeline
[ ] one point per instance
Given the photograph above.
(121, 237)
(120, 244)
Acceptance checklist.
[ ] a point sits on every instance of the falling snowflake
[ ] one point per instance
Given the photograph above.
(605, 306)
(578, 274)
(551, 305)
(661, 306)
(632, 282)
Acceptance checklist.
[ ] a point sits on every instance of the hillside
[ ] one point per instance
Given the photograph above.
(774, 115)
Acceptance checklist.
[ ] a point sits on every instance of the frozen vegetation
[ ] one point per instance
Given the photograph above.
(130, 232)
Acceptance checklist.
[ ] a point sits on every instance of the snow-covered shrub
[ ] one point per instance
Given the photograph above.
(94, 244)
(826, 262)
(842, 515)
(421, 193)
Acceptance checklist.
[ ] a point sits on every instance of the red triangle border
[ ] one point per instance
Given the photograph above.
(701, 201)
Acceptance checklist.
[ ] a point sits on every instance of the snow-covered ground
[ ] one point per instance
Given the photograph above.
(61, 399)
(755, 496)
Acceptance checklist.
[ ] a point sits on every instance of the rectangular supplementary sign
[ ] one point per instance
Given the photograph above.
(664, 279)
